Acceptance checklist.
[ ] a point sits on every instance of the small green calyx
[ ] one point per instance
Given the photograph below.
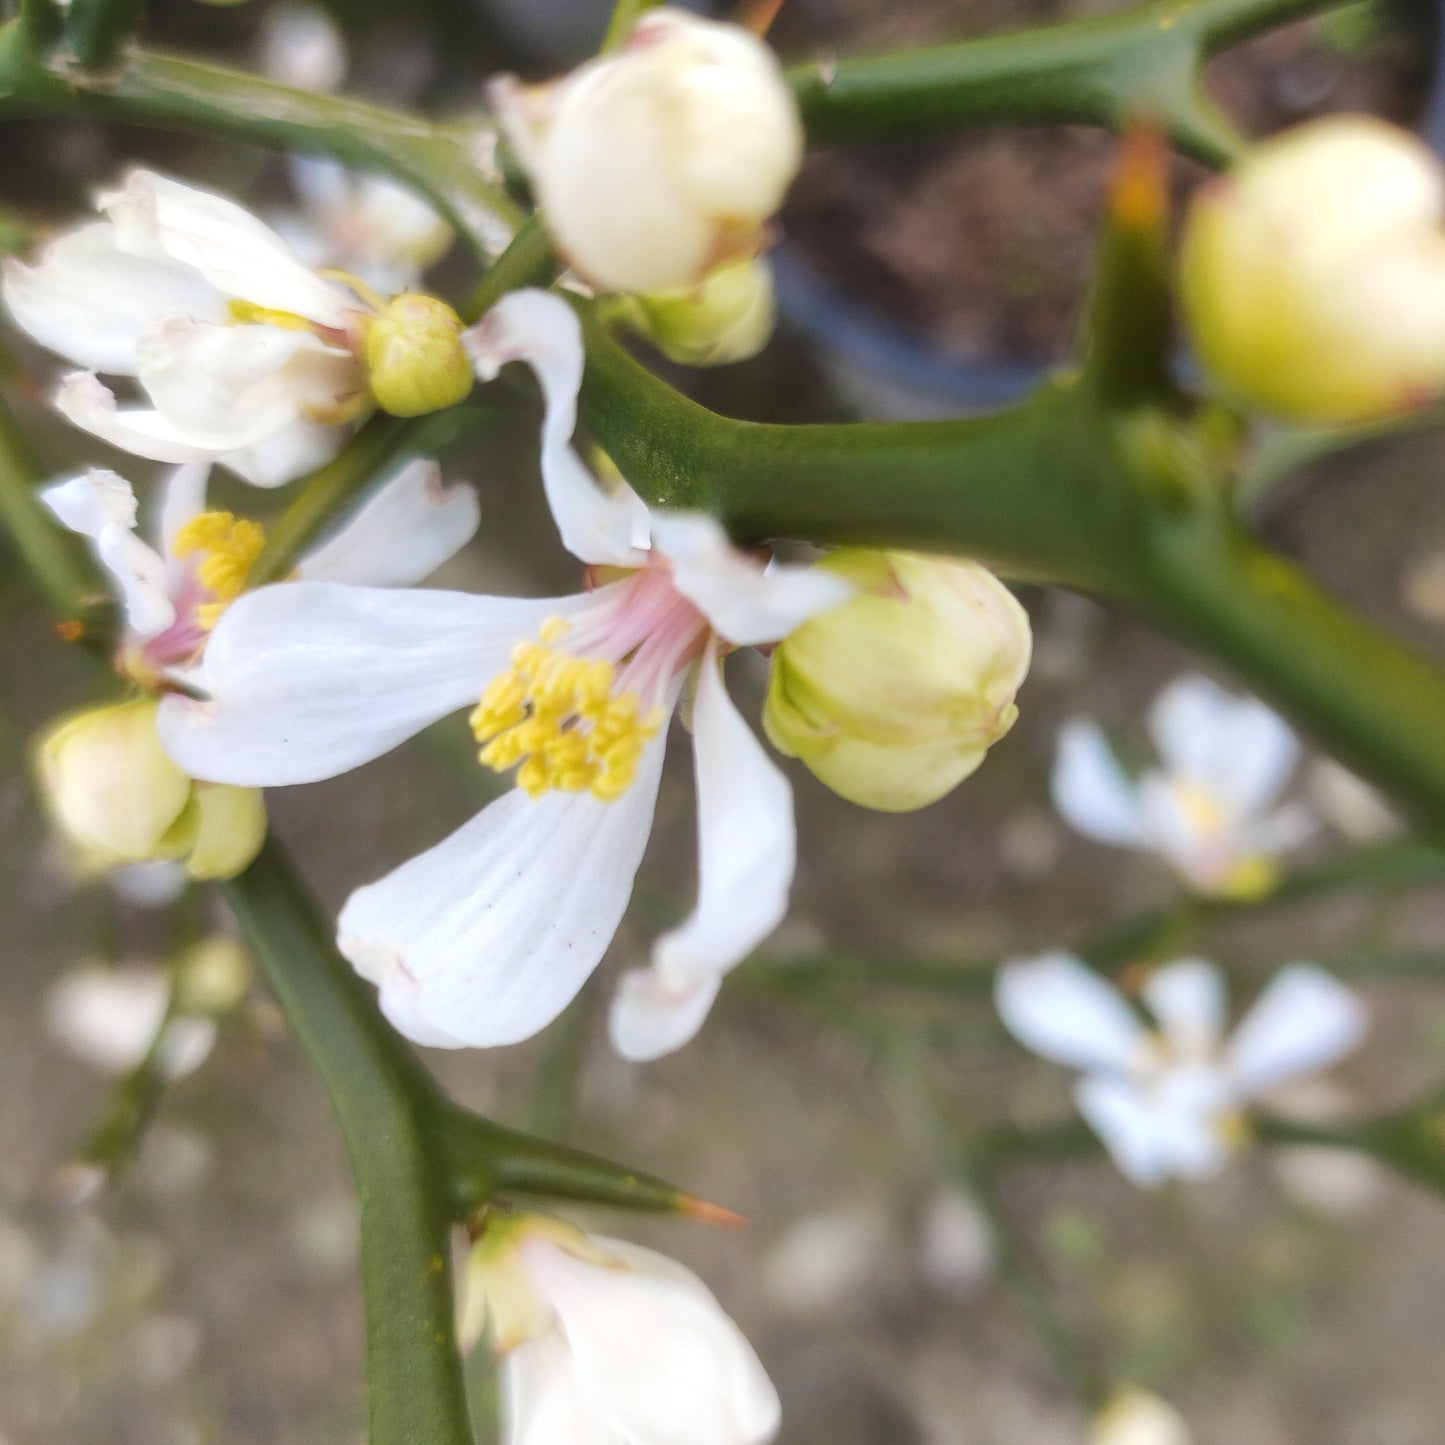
(414, 356)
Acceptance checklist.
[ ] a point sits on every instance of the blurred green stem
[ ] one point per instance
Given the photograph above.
(98, 28)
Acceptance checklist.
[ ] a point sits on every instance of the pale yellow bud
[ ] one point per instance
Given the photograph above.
(115, 793)
(1135, 1417)
(1313, 274)
(657, 161)
(230, 826)
(110, 785)
(415, 360)
(212, 976)
(894, 697)
(728, 316)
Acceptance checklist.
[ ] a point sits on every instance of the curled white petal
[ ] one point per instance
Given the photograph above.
(747, 849)
(599, 526)
(544, 1401)
(1304, 1021)
(401, 535)
(746, 602)
(183, 499)
(91, 502)
(1091, 790)
(84, 401)
(286, 454)
(1057, 1007)
(305, 680)
(90, 302)
(490, 934)
(238, 254)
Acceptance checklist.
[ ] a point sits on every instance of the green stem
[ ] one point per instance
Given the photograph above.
(381, 1096)
(98, 28)
(41, 22)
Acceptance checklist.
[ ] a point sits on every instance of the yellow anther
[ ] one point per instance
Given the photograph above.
(557, 720)
(247, 313)
(229, 547)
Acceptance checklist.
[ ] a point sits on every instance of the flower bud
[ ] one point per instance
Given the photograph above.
(1313, 275)
(728, 316)
(655, 162)
(212, 976)
(415, 360)
(116, 794)
(894, 697)
(1135, 1417)
(110, 785)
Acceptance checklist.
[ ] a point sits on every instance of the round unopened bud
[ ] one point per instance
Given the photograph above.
(894, 697)
(110, 785)
(212, 976)
(230, 826)
(1135, 1417)
(727, 316)
(658, 161)
(1313, 274)
(415, 360)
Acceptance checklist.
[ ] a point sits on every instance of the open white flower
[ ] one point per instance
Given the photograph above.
(606, 1343)
(245, 355)
(173, 588)
(486, 937)
(1211, 811)
(1168, 1101)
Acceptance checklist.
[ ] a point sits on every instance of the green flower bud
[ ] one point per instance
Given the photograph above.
(1313, 274)
(110, 785)
(728, 316)
(415, 360)
(213, 976)
(112, 789)
(893, 698)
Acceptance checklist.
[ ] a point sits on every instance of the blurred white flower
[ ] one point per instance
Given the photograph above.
(1211, 811)
(956, 1250)
(660, 160)
(1350, 805)
(110, 1017)
(825, 1260)
(1135, 1417)
(486, 937)
(1168, 1101)
(301, 46)
(148, 885)
(246, 356)
(607, 1343)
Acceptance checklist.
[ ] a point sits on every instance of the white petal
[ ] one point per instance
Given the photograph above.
(183, 500)
(1192, 1105)
(109, 1016)
(1057, 1007)
(497, 927)
(231, 387)
(1236, 749)
(1091, 790)
(746, 602)
(401, 535)
(1128, 1124)
(238, 254)
(598, 526)
(655, 1350)
(1188, 999)
(289, 453)
(102, 506)
(84, 402)
(747, 849)
(90, 302)
(543, 1401)
(1304, 1021)
(93, 501)
(305, 680)
(1280, 830)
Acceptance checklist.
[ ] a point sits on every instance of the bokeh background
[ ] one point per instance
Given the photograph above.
(211, 1294)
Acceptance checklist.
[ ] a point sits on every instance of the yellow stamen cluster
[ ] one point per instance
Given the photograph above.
(229, 546)
(555, 718)
(247, 313)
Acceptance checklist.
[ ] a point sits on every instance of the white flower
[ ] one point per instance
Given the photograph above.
(245, 355)
(656, 162)
(607, 1343)
(1167, 1102)
(486, 937)
(173, 588)
(109, 1018)
(1210, 811)
(301, 46)
(1132, 1416)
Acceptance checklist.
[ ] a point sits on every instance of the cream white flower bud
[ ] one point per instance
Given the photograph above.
(415, 361)
(1135, 1417)
(1313, 274)
(893, 698)
(656, 162)
(728, 316)
(114, 791)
